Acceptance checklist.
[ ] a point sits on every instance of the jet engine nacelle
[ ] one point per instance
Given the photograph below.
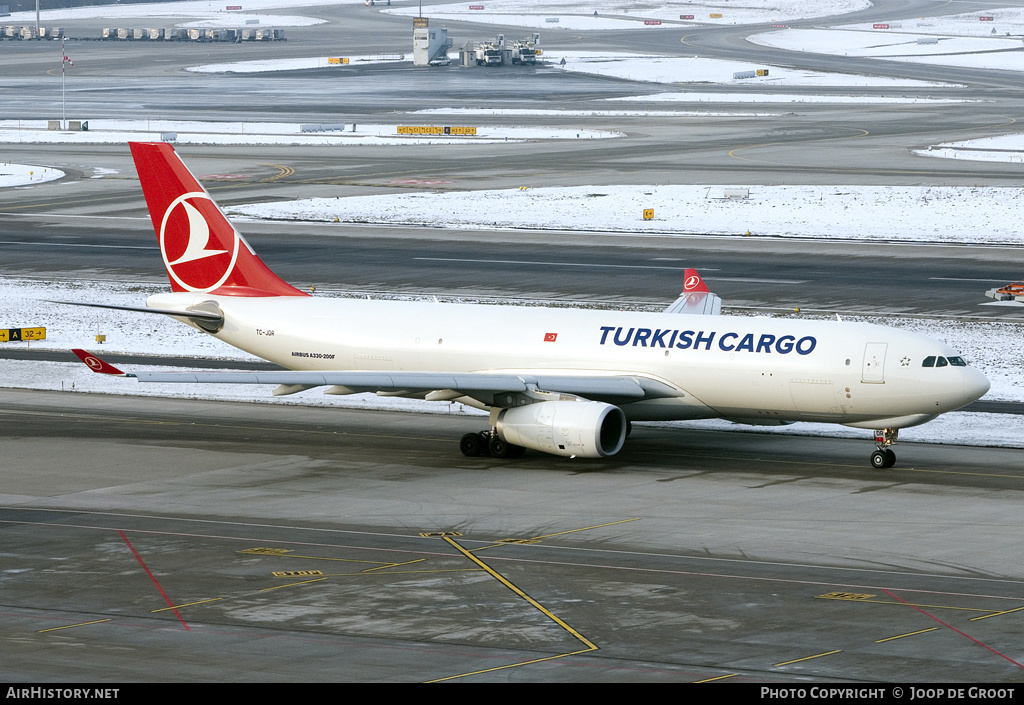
(586, 429)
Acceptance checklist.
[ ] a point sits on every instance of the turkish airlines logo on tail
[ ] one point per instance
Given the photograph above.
(197, 258)
(691, 283)
(94, 363)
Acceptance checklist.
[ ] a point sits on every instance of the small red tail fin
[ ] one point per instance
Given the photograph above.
(202, 251)
(693, 282)
(96, 364)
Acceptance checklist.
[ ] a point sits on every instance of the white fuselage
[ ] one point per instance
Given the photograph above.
(756, 370)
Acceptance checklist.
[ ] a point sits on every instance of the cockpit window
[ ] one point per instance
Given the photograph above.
(939, 361)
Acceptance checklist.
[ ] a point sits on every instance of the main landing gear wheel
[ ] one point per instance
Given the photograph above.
(499, 448)
(473, 445)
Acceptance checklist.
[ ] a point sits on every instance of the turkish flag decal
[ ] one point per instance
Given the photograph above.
(550, 337)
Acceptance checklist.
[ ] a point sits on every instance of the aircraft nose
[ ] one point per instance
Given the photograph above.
(975, 384)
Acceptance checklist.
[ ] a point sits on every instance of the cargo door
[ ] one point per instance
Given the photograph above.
(814, 397)
(874, 363)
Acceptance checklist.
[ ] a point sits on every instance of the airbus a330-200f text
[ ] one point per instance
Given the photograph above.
(561, 381)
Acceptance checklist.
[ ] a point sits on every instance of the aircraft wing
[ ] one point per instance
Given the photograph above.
(482, 386)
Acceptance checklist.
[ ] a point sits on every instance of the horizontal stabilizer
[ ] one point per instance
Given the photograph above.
(208, 317)
(97, 365)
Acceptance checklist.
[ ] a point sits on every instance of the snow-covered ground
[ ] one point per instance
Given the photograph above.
(122, 131)
(912, 213)
(677, 69)
(1004, 148)
(299, 64)
(697, 97)
(1001, 21)
(24, 303)
(532, 112)
(963, 40)
(26, 174)
(623, 14)
(880, 44)
(227, 20)
(631, 67)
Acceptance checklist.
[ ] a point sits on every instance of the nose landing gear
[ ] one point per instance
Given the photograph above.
(884, 457)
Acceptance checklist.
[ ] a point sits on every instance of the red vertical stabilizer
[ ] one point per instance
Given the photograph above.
(202, 251)
(693, 283)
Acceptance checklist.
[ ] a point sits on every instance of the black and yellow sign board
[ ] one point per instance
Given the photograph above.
(8, 335)
(846, 596)
(337, 60)
(648, 214)
(261, 551)
(434, 130)
(762, 72)
(420, 22)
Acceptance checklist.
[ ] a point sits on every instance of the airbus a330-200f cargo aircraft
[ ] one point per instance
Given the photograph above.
(561, 381)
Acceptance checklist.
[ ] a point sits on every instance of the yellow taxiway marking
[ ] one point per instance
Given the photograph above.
(732, 153)
(511, 665)
(283, 171)
(381, 564)
(543, 610)
(997, 614)
(188, 604)
(585, 528)
(808, 658)
(395, 565)
(904, 604)
(419, 572)
(900, 636)
(537, 539)
(81, 624)
(504, 581)
(718, 678)
(395, 572)
(304, 582)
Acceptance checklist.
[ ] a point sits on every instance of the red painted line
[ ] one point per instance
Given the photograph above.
(950, 626)
(146, 568)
